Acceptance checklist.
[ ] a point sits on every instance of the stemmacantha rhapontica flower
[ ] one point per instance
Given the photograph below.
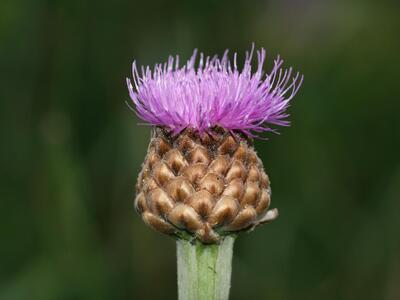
(201, 177)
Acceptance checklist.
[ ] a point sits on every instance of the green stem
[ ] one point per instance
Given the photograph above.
(204, 271)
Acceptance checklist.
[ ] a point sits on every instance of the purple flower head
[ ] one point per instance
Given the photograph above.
(214, 93)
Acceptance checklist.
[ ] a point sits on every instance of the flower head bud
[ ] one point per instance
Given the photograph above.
(201, 175)
(207, 184)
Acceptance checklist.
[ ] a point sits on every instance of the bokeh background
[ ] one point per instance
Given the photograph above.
(71, 149)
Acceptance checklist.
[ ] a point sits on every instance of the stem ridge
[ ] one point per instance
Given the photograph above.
(204, 271)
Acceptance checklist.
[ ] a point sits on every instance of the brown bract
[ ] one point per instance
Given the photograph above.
(206, 185)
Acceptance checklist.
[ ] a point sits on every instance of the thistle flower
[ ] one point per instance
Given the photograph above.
(214, 94)
(202, 180)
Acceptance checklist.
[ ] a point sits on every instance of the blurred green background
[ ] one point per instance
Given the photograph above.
(71, 149)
